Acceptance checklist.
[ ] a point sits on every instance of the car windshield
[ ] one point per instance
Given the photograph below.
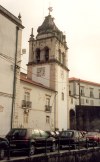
(67, 133)
(20, 132)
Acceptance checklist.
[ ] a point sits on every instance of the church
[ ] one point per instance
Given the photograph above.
(44, 89)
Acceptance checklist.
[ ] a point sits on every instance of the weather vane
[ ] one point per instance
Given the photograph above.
(50, 9)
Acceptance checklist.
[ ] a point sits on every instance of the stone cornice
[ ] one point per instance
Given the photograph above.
(11, 17)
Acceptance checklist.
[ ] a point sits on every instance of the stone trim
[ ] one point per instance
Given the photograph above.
(11, 17)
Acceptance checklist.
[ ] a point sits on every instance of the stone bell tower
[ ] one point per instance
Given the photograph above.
(48, 65)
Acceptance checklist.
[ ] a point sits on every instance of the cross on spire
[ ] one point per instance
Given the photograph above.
(50, 9)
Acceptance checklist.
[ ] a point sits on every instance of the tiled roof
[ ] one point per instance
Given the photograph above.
(83, 81)
(23, 77)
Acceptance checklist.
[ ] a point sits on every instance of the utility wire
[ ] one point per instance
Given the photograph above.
(11, 61)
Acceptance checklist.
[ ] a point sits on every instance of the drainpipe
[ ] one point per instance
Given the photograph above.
(14, 79)
(55, 111)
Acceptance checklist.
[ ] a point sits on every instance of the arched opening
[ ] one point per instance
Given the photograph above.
(59, 55)
(38, 55)
(46, 49)
(72, 119)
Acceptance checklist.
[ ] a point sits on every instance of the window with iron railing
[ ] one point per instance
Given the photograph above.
(26, 103)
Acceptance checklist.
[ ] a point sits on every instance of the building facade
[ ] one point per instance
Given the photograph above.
(10, 52)
(82, 93)
(37, 105)
(48, 65)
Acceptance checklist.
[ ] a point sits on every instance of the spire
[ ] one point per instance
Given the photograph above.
(31, 36)
(19, 16)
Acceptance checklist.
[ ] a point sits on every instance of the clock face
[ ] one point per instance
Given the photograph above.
(41, 72)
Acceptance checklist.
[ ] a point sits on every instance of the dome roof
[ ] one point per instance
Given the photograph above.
(48, 26)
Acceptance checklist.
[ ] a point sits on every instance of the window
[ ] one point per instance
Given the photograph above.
(62, 96)
(91, 102)
(27, 96)
(46, 53)
(47, 119)
(59, 53)
(91, 93)
(87, 101)
(63, 58)
(69, 92)
(99, 93)
(38, 55)
(48, 101)
(82, 101)
(25, 118)
(82, 91)
(71, 100)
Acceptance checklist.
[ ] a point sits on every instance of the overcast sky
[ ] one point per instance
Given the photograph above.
(78, 19)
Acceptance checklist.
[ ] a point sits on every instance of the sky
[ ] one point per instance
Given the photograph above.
(78, 19)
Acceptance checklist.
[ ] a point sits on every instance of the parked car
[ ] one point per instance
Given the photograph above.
(54, 134)
(93, 138)
(30, 140)
(72, 139)
(4, 146)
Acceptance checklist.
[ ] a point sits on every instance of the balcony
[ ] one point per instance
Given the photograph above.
(26, 104)
(48, 108)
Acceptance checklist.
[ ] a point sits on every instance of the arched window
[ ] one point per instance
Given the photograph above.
(59, 55)
(63, 58)
(46, 49)
(38, 55)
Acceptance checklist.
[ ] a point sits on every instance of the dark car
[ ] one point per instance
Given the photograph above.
(30, 140)
(71, 139)
(93, 138)
(4, 146)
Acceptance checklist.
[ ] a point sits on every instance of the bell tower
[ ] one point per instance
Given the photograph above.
(48, 65)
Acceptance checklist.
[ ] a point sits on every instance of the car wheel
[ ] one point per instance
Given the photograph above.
(2, 153)
(32, 149)
(53, 147)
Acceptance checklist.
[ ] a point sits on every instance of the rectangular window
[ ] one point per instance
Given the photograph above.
(27, 96)
(87, 101)
(25, 118)
(91, 93)
(82, 91)
(82, 101)
(62, 96)
(91, 102)
(71, 100)
(48, 101)
(47, 119)
(99, 93)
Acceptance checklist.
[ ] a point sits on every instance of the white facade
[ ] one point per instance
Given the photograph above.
(83, 92)
(10, 50)
(37, 105)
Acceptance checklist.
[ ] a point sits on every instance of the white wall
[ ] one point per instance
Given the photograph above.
(37, 114)
(7, 61)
